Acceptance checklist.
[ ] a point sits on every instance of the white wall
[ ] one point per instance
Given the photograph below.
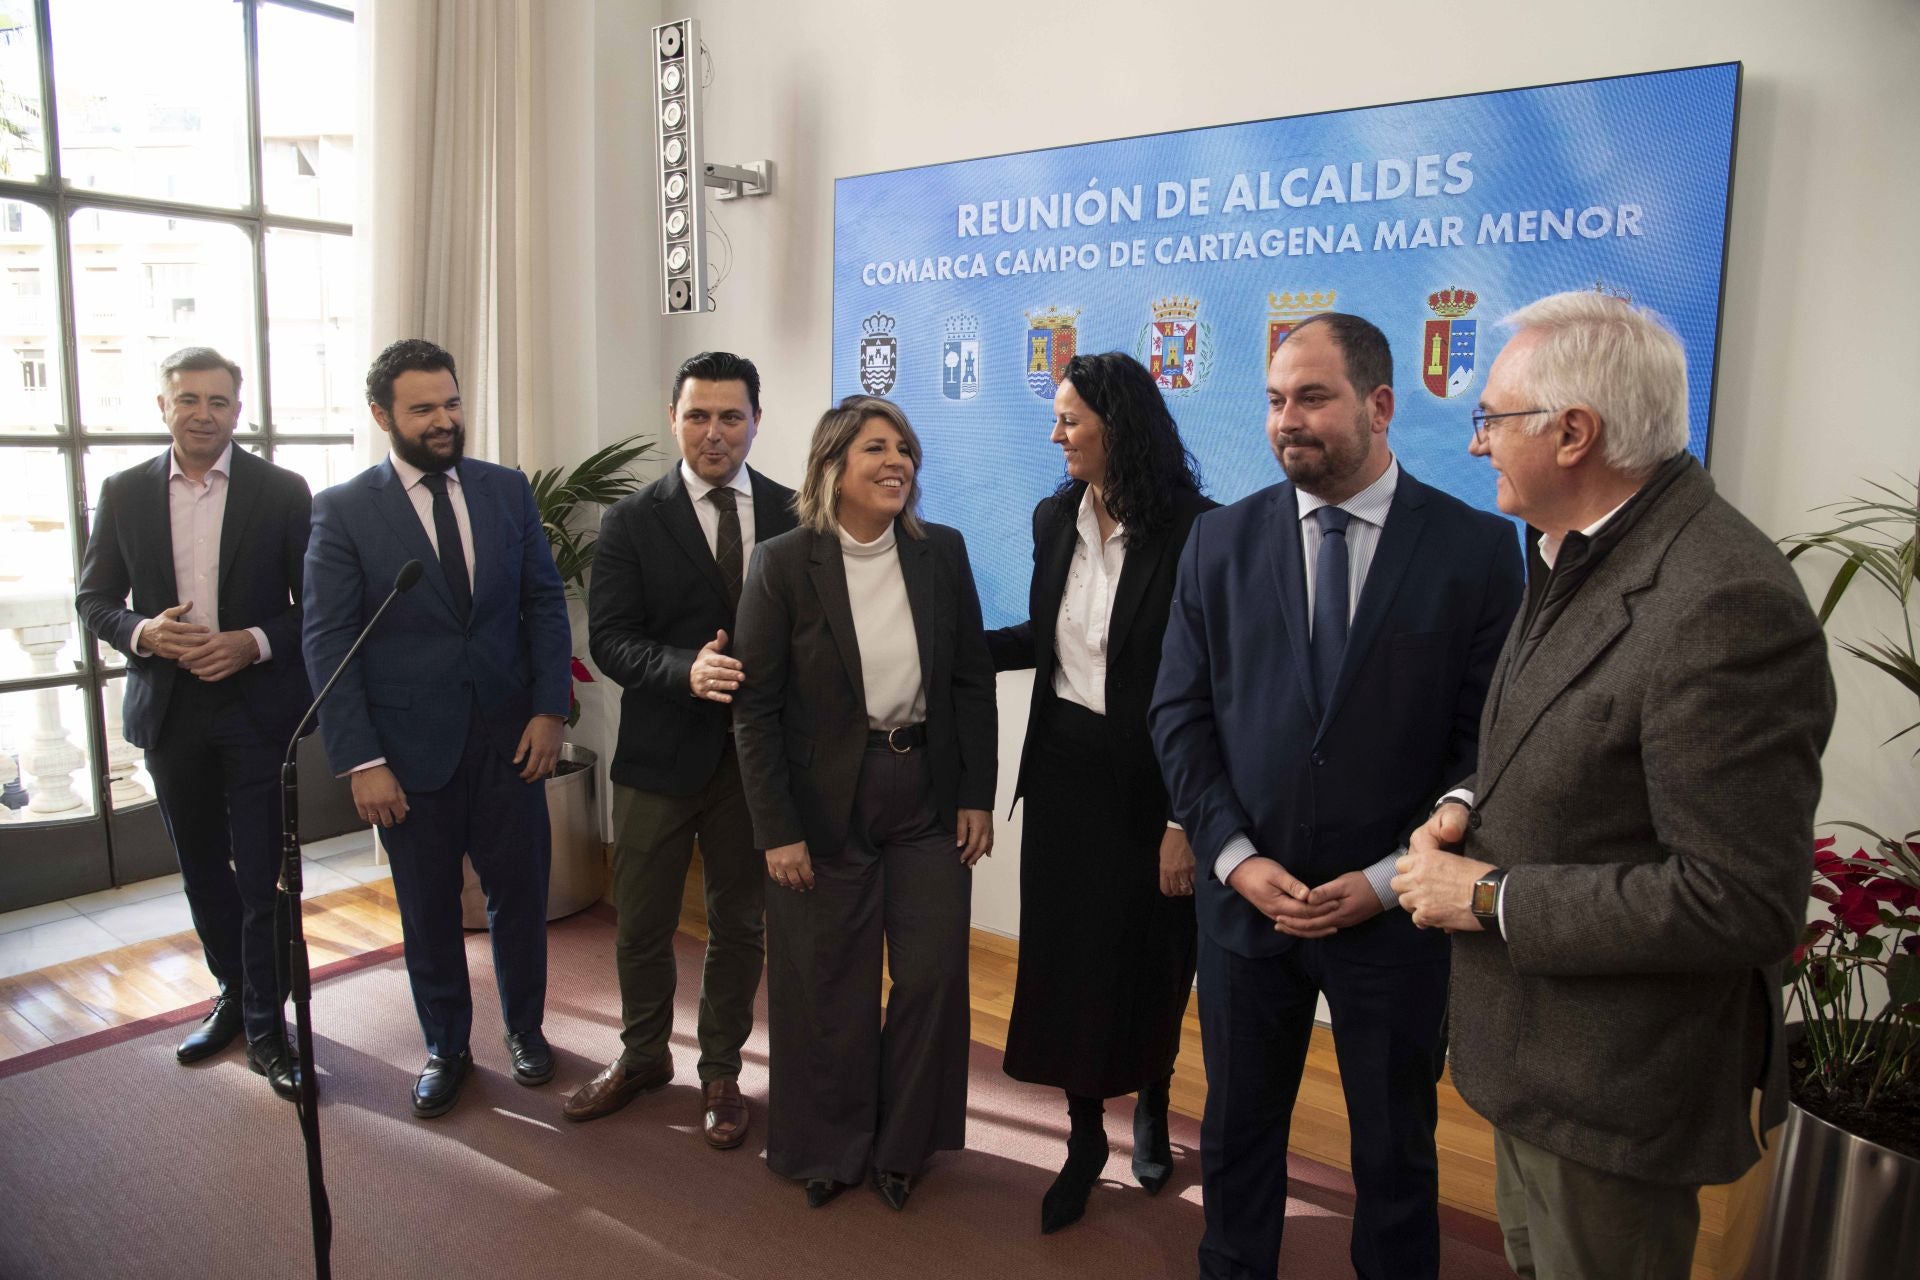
(1819, 308)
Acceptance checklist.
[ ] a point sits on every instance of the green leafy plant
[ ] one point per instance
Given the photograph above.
(564, 495)
(561, 493)
(1877, 536)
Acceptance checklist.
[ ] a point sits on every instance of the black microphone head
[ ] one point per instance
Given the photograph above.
(408, 575)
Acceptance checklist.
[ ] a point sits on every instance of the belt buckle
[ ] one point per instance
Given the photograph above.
(895, 748)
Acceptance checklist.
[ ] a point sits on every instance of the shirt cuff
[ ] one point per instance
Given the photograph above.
(133, 642)
(362, 768)
(260, 639)
(1174, 826)
(1380, 876)
(1236, 851)
(1500, 908)
(1461, 794)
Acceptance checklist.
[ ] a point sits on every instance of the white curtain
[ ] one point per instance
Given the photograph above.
(444, 217)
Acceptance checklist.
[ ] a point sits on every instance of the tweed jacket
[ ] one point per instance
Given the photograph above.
(1649, 781)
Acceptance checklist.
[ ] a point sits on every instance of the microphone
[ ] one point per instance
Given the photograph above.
(402, 581)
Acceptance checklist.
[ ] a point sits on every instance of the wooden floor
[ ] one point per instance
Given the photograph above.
(67, 1001)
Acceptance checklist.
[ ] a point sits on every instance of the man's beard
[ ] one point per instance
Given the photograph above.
(419, 455)
(1335, 459)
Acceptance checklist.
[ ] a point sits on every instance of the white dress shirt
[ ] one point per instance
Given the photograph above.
(1086, 611)
(197, 512)
(709, 515)
(1369, 509)
(422, 499)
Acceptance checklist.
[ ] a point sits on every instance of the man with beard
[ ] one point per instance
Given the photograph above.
(1329, 646)
(453, 712)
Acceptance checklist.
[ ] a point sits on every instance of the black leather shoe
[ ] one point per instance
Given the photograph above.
(269, 1056)
(215, 1032)
(438, 1087)
(1065, 1202)
(1152, 1149)
(532, 1059)
(894, 1188)
(821, 1190)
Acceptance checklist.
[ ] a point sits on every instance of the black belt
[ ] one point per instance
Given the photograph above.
(907, 737)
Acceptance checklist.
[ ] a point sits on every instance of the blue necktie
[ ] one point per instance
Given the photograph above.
(453, 557)
(1329, 640)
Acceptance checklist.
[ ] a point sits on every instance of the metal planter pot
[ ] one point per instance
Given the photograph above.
(578, 878)
(1840, 1207)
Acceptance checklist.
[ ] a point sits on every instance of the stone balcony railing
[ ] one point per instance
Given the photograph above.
(50, 757)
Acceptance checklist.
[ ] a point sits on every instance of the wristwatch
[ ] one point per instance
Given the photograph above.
(1486, 898)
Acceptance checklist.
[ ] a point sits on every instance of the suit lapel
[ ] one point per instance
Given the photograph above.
(391, 501)
(489, 536)
(155, 516)
(243, 491)
(916, 566)
(828, 572)
(771, 516)
(1050, 569)
(1399, 540)
(676, 513)
(1290, 582)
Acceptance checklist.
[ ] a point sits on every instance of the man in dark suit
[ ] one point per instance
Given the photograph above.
(666, 580)
(453, 712)
(1638, 835)
(1326, 656)
(208, 540)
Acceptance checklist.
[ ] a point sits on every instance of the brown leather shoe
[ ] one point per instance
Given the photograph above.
(613, 1089)
(725, 1119)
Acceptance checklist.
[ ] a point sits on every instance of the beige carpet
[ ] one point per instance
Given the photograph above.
(116, 1161)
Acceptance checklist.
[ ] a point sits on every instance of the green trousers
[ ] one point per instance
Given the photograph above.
(1568, 1221)
(656, 834)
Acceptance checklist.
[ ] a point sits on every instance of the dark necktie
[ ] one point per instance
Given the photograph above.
(727, 550)
(1329, 641)
(446, 531)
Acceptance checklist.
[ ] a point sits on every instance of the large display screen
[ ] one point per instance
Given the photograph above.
(960, 290)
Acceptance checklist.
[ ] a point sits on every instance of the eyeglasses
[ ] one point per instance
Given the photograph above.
(1481, 418)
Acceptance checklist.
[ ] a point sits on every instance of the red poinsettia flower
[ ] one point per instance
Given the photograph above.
(580, 671)
(1858, 909)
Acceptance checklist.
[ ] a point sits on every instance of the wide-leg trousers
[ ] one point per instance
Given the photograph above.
(852, 1090)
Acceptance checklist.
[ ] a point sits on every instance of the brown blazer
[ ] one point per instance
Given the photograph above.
(800, 720)
(1649, 781)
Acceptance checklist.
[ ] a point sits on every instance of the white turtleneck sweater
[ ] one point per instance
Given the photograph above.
(883, 625)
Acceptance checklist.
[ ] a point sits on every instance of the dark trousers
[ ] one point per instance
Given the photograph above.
(487, 813)
(656, 835)
(849, 1093)
(217, 781)
(1256, 1023)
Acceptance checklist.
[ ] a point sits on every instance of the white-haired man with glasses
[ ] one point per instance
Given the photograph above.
(1627, 868)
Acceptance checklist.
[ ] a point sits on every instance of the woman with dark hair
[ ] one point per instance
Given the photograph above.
(866, 734)
(1107, 926)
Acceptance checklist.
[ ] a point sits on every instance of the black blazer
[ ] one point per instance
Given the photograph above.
(1138, 622)
(800, 721)
(655, 600)
(263, 539)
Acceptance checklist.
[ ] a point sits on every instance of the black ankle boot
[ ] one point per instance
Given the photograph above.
(1066, 1199)
(1152, 1152)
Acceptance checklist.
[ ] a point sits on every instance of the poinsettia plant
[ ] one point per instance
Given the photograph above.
(580, 676)
(1859, 1043)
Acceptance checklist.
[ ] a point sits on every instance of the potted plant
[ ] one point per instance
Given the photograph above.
(1845, 1198)
(569, 500)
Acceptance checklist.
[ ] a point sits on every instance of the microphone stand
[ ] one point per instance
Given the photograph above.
(287, 917)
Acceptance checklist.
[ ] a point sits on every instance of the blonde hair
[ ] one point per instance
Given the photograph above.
(819, 499)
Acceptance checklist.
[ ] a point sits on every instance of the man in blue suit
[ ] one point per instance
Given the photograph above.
(1328, 650)
(452, 714)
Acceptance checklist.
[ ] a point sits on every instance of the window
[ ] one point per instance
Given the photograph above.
(173, 196)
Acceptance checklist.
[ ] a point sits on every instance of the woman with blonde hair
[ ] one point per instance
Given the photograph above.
(866, 734)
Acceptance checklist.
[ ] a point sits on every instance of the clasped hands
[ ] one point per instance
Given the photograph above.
(207, 654)
(1317, 912)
